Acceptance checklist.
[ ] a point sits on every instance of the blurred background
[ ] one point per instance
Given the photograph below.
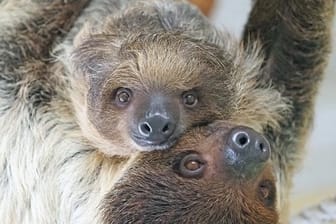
(317, 177)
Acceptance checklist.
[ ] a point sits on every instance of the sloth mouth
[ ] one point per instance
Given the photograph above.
(154, 145)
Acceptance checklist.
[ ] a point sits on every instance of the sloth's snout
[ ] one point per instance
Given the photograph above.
(157, 128)
(246, 150)
(156, 123)
(248, 143)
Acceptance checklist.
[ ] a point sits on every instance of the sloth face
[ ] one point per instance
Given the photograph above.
(221, 175)
(147, 92)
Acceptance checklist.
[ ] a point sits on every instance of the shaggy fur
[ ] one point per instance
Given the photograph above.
(295, 38)
(157, 190)
(52, 168)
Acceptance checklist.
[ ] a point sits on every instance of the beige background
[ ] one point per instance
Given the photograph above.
(317, 177)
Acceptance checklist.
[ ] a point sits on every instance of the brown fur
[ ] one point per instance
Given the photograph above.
(153, 190)
(295, 37)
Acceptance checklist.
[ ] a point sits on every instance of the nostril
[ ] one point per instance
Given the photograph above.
(263, 149)
(145, 129)
(241, 139)
(166, 128)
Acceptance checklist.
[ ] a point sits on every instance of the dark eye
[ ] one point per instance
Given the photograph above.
(192, 165)
(267, 192)
(123, 96)
(190, 98)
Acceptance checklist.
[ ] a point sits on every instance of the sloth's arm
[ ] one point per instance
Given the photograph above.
(295, 39)
(28, 31)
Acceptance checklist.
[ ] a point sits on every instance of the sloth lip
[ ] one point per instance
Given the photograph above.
(154, 145)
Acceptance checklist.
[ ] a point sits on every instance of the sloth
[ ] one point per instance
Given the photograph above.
(216, 174)
(126, 77)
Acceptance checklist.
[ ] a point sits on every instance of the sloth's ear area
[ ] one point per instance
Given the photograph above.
(95, 55)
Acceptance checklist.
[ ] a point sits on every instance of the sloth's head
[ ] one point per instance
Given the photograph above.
(145, 84)
(222, 175)
(151, 88)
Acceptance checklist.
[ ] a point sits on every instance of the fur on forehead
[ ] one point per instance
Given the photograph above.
(159, 60)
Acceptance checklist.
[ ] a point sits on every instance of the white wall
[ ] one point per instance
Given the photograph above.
(317, 178)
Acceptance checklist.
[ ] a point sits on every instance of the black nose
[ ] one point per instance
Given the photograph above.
(246, 149)
(157, 129)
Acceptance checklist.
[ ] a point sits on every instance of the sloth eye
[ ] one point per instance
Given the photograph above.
(190, 98)
(192, 165)
(267, 192)
(123, 96)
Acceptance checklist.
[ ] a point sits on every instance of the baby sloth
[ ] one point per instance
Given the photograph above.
(149, 75)
(218, 175)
